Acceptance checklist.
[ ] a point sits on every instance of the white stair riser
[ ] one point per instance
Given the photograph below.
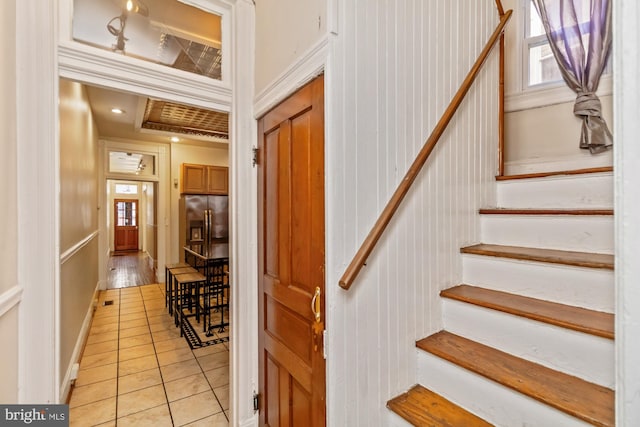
(569, 191)
(496, 404)
(577, 286)
(562, 232)
(395, 420)
(575, 353)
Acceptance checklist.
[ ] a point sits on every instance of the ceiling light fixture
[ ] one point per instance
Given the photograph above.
(175, 139)
(117, 111)
(117, 24)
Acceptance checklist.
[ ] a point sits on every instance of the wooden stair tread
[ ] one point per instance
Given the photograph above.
(580, 259)
(422, 407)
(555, 173)
(575, 318)
(589, 402)
(577, 212)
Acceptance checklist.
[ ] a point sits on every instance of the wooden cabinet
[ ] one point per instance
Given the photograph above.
(204, 179)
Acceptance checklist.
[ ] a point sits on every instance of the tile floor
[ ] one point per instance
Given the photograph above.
(136, 370)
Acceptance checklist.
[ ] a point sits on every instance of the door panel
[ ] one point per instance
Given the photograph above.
(291, 229)
(126, 225)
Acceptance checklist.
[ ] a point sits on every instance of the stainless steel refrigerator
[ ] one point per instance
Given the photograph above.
(205, 219)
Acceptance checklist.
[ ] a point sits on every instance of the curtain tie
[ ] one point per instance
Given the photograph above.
(587, 104)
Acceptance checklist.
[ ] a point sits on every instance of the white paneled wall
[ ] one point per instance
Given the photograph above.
(392, 69)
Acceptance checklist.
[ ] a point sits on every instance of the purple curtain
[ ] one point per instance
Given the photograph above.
(581, 66)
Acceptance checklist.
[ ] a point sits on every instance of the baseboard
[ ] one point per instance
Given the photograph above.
(582, 160)
(65, 387)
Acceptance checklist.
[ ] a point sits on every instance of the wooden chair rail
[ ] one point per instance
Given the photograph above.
(372, 238)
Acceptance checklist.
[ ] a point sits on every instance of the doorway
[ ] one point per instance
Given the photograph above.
(126, 234)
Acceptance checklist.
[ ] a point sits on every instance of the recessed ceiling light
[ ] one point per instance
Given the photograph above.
(175, 139)
(117, 111)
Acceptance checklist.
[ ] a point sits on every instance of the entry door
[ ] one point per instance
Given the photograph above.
(291, 260)
(126, 225)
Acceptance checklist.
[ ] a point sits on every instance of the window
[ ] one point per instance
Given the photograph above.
(540, 64)
(126, 189)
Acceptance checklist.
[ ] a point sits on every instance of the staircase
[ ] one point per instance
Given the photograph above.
(528, 336)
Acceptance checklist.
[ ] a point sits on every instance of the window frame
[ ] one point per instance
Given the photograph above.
(520, 96)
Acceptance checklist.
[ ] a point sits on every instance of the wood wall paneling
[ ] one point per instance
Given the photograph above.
(394, 68)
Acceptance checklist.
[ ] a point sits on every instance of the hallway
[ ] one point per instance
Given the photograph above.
(136, 370)
(129, 269)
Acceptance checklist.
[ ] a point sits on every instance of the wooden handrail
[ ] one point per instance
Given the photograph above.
(374, 235)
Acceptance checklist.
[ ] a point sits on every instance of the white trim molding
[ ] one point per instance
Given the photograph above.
(558, 93)
(626, 68)
(94, 66)
(77, 247)
(310, 65)
(9, 299)
(38, 180)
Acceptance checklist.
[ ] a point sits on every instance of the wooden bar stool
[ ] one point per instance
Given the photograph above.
(168, 279)
(188, 293)
(175, 272)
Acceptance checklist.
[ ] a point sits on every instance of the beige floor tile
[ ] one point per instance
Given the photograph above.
(173, 344)
(93, 393)
(139, 380)
(218, 377)
(157, 312)
(163, 319)
(194, 408)
(185, 387)
(140, 364)
(135, 341)
(107, 314)
(93, 413)
(174, 356)
(101, 347)
(105, 320)
(132, 332)
(180, 370)
(135, 323)
(99, 359)
(96, 338)
(222, 393)
(163, 326)
(217, 420)
(133, 316)
(135, 352)
(213, 361)
(97, 374)
(166, 335)
(210, 349)
(132, 310)
(140, 400)
(103, 328)
(156, 417)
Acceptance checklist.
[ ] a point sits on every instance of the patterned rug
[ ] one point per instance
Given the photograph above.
(197, 337)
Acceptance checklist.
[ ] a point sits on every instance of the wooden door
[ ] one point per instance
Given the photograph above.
(126, 225)
(291, 260)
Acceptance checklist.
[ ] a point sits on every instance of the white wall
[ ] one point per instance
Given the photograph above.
(79, 221)
(539, 136)
(9, 214)
(285, 30)
(393, 68)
